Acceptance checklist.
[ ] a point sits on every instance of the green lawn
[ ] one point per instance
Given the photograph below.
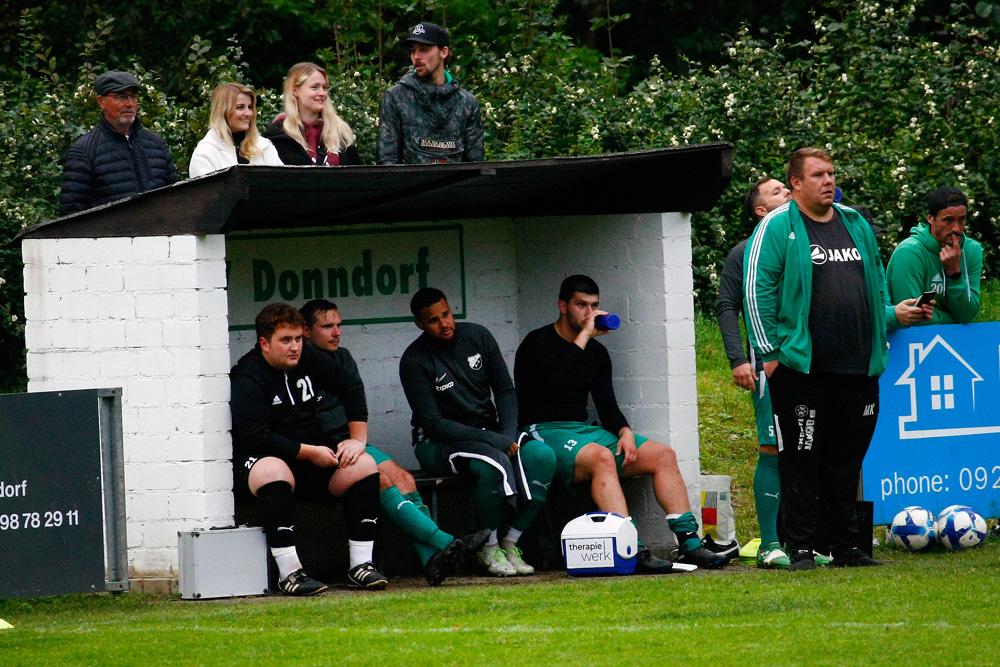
(934, 609)
(937, 608)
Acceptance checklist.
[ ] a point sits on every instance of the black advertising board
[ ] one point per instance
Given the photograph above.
(51, 503)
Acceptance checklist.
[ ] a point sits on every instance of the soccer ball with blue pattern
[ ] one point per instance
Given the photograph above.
(913, 529)
(960, 527)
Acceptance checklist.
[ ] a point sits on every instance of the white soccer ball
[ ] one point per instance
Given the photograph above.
(960, 527)
(913, 529)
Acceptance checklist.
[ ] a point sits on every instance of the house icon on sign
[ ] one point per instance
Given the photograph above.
(943, 399)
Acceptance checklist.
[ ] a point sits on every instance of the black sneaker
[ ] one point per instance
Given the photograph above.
(300, 583)
(728, 550)
(801, 561)
(443, 564)
(647, 563)
(366, 577)
(855, 558)
(702, 557)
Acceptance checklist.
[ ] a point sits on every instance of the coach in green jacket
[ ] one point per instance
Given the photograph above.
(938, 257)
(817, 309)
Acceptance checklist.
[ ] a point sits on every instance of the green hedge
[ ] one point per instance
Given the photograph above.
(904, 106)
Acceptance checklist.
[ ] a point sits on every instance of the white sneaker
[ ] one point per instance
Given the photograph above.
(516, 561)
(495, 561)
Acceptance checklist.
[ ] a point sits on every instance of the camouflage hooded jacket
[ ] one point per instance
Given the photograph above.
(424, 123)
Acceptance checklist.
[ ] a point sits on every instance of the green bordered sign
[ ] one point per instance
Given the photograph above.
(371, 274)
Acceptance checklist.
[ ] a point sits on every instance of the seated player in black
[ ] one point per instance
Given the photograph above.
(451, 375)
(555, 370)
(280, 452)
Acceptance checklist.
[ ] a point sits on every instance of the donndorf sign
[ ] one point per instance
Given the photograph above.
(937, 442)
(371, 274)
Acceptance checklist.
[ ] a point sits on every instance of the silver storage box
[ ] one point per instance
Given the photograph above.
(230, 562)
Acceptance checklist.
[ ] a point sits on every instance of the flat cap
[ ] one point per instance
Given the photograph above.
(115, 81)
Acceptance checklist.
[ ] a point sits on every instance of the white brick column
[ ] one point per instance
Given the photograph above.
(148, 315)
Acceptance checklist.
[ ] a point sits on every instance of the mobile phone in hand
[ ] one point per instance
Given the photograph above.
(924, 299)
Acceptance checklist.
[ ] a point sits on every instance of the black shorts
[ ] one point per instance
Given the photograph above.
(311, 481)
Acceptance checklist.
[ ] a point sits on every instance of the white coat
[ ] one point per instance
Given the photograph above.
(215, 152)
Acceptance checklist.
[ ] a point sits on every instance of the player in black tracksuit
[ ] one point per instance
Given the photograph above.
(449, 375)
(279, 448)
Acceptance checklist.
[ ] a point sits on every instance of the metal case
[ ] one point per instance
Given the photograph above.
(228, 562)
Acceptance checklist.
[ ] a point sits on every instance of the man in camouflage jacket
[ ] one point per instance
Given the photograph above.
(428, 118)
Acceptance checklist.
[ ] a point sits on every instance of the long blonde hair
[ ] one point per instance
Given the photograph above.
(223, 103)
(337, 134)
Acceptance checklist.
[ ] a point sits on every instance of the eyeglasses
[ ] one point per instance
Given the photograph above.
(121, 97)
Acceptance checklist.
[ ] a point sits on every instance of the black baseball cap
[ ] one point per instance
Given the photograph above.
(428, 33)
(114, 82)
(945, 197)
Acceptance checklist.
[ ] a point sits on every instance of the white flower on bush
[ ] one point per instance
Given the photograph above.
(959, 167)
(595, 132)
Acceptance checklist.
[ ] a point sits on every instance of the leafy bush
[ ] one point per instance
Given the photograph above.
(902, 109)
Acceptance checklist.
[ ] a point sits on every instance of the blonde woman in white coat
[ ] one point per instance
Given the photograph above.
(232, 138)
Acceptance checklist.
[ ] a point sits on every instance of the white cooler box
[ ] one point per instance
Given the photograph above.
(229, 562)
(600, 543)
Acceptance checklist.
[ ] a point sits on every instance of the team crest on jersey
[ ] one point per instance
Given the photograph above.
(476, 361)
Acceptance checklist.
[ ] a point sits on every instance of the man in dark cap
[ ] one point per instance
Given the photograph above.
(428, 118)
(938, 257)
(118, 158)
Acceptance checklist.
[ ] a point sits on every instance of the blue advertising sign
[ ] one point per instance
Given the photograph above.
(937, 442)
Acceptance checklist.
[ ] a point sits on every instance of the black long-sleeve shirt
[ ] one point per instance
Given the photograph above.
(554, 377)
(730, 305)
(275, 412)
(448, 385)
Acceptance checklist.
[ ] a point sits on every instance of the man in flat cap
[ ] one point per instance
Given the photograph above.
(118, 158)
(938, 257)
(428, 118)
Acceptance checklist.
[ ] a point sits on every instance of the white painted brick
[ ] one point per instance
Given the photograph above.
(82, 365)
(217, 476)
(45, 365)
(36, 279)
(40, 252)
(154, 562)
(214, 331)
(70, 336)
(210, 274)
(182, 333)
(133, 540)
(205, 389)
(680, 335)
(144, 334)
(144, 506)
(106, 334)
(681, 362)
(150, 249)
(155, 306)
(199, 505)
(116, 306)
(213, 361)
(44, 306)
(144, 277)
(183, 248)
(155, 362)
(202, 303)
(676, 225)
(117, 363)
(145, 392)
(646, 308)
(113, 250)
(76, 251)
(166, 476)
(77, 306)
(130, 425)
(67, 278)
(679, 307)
(105, 279)
(155, 420)
(201, 418)
(141, 448)
(36, 335)
(161, 533)
(654, 392)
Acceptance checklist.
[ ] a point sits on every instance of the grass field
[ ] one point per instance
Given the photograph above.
(935, 609)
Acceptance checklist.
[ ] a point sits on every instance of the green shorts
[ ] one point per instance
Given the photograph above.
(377, 454)
(763, 413)
(567, 438)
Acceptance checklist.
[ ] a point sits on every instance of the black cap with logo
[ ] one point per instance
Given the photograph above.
(428, 33)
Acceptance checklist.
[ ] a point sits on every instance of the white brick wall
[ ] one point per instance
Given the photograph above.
(150, 315)
(147, 315)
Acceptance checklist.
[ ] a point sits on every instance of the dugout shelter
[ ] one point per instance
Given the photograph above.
(156, 294)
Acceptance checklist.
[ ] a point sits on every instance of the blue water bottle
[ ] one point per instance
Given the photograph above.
(608, 322)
